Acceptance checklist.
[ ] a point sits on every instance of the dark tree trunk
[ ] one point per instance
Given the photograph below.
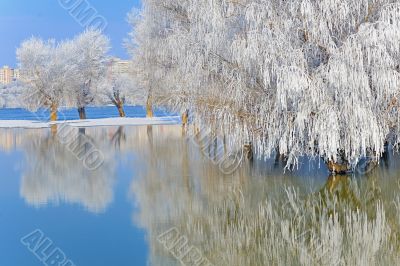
(82, 112)
(248, 151)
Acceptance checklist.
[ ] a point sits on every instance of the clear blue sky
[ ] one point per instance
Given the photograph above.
(22, 19)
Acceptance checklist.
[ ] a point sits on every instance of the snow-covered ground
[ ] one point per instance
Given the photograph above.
(170, 120)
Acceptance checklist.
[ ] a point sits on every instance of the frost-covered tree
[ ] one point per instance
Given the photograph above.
(88, 58)
(147, 60)
(11, 95)
(2, 96)
(65, 73)
(117, 89)
(44, 72)
(302, 77)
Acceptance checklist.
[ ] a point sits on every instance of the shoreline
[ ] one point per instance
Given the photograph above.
(99, 122)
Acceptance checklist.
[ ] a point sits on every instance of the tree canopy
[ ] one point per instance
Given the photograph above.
(302, 77)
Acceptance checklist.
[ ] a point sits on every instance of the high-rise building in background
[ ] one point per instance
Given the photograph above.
(115, 66)
(17, 74)
(8, 75)
(118, 66)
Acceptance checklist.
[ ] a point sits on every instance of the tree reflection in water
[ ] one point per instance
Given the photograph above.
(256, 216)
(53, 173)
(249, 218)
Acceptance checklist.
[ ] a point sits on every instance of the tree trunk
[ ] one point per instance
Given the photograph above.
(53, 117)
(338, 168)
(185, 118)
(121, 109)
(185, 121)
(248, 151)
(149, 108)
(385, 155)
(82, 112)
(53, 112)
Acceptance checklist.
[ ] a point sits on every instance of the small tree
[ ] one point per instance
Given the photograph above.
(117, 89)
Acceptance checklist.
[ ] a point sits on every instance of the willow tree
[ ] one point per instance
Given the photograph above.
(315, 78)
(44, 74)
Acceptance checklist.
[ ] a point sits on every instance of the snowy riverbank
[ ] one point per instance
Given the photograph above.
(170, 120)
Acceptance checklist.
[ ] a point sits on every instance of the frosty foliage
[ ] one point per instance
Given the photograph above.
(64, 73)
(43, 71)
(118, 88)
(88, 58)
(10, 95)
(302, 77)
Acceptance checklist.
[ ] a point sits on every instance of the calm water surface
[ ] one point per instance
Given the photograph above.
(72, 114)
(152, 180)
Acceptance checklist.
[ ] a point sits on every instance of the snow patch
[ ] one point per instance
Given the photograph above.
(173, 120)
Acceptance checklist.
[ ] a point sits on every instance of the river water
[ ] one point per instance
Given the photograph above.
(159, 199)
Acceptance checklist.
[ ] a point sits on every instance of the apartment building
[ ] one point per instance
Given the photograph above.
(119, 66)
(8, 75)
